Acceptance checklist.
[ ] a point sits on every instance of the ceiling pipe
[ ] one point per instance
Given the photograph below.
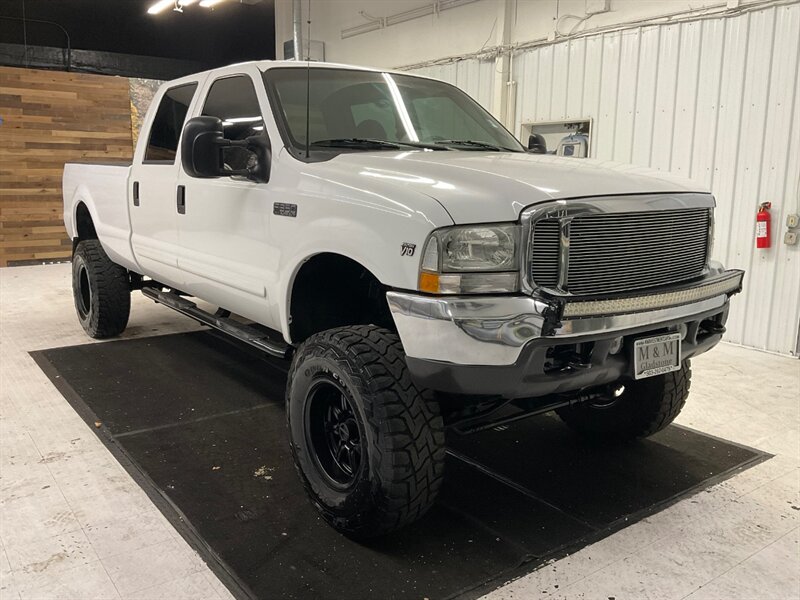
(297, 29)
(68, 58)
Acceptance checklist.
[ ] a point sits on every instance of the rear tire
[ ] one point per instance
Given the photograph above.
(645, 407)
(367, 443)
(101, 291)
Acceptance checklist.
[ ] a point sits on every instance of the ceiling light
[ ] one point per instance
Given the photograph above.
(242, 120)
(210, 3)
(159, 6)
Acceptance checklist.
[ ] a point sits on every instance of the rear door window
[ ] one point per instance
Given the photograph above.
(162, 146)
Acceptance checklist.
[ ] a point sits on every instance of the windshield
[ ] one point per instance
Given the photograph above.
(357, 110)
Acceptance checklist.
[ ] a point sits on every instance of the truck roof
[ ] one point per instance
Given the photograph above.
(264, 65)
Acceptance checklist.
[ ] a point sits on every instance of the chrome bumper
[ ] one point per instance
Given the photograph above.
(492, 330)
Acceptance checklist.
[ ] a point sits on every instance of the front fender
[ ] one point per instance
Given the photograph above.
(381, 227)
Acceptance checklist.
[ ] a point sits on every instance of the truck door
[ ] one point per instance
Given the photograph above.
(224, 225)
(152, 193)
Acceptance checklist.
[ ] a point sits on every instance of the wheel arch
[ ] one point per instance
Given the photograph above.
(81, 219)
(84, 222)
(351, 295)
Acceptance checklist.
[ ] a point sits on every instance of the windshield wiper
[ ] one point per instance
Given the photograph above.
(356, 143)
(429, 146)
(372, 144)
(475, 144)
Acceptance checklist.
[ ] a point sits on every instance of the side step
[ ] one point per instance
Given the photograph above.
(245, 333)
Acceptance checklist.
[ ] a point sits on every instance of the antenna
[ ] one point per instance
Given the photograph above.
(308, 81)
(308, 33)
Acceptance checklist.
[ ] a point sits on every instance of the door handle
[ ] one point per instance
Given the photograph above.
(181, 200)
(136, 193)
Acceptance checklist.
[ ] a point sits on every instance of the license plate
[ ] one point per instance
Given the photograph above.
(657, 355)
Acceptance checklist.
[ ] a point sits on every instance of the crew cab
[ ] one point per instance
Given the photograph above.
(423, 270)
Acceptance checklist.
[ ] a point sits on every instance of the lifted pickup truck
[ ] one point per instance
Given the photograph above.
(422, 270)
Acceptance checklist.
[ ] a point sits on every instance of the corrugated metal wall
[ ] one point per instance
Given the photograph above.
(474, 76)
(716, 100)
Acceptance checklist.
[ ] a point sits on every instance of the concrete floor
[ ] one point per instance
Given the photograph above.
(75, 525)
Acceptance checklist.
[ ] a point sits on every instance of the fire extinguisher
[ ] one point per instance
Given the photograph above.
(763, 235)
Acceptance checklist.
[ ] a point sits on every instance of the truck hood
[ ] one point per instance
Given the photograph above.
(477, 187)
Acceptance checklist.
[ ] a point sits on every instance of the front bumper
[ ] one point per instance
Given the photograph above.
(504, 345)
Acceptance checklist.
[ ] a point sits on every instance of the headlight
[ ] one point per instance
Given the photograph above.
(470, 260)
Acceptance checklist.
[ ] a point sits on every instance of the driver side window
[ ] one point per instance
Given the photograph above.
(233, 100)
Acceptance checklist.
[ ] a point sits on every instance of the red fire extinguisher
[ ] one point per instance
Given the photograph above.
(763, 236)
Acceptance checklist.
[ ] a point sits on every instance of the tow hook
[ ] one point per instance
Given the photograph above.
(580, 359)
(712, 326)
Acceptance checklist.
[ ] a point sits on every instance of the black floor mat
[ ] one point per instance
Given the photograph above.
(200, 424)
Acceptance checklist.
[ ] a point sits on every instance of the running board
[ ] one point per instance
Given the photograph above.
(240, 331)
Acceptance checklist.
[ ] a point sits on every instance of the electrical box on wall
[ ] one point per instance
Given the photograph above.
(562, 138)
(792, 223)
(594, 7)
(315, 52)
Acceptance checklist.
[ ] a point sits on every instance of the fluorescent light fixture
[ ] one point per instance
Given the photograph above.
(210, 3)
(242, 120)
(160, 6)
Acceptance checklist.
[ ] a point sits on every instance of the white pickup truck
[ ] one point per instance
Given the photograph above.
(421, 268)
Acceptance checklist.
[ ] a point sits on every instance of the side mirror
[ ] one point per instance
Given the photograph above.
(537, 144)
(202, 145)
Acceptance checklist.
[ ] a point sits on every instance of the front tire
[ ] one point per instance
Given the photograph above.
(101, 291)
(367, 443)
(645, 407)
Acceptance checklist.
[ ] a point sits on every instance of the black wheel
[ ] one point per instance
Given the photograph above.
(367, 443)
(631, 409)
(101, 290)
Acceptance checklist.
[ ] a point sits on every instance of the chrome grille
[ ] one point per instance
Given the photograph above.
(616, 252)
(544, 253)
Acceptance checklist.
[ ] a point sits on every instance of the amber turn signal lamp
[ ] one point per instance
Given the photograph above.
(429, 282)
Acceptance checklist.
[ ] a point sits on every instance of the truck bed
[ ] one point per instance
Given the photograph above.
(103, 189)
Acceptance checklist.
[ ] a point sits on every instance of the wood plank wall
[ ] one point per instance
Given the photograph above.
(50, 118)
